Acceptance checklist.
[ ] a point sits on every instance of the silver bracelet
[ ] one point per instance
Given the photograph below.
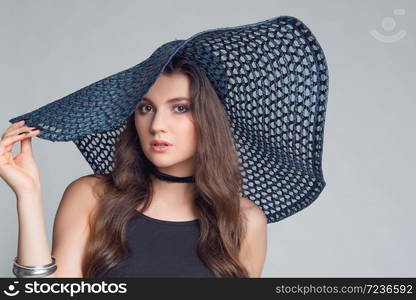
(33, 271)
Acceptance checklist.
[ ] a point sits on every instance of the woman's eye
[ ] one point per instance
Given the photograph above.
(182, 108)
(141, 107)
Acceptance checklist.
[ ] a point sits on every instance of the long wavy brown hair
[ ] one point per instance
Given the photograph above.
(217, 181)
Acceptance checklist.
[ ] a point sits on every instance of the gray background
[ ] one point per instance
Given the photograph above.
(363, 222)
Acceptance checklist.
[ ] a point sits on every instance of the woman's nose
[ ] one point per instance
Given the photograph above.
(159, 121)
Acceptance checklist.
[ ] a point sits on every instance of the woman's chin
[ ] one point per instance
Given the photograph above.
(162, 163)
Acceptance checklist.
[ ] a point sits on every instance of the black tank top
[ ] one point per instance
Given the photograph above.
(161, 248)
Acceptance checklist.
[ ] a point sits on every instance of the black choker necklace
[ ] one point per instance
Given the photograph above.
(167, 177)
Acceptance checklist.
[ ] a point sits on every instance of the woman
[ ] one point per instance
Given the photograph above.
(259, 90)
(229, 237)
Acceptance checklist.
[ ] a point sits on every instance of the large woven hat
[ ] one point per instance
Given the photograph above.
(272, 79)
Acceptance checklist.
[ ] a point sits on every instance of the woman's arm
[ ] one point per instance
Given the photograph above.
(33, 249)
(70, 233)
(254, 244)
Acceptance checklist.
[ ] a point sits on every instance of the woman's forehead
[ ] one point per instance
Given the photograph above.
(169, 88)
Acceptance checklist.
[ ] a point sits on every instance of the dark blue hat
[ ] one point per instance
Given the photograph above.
(272, 79)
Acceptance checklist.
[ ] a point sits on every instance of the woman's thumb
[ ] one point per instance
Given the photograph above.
(26, 146)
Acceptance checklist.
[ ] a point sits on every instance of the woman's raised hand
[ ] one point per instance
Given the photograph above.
(20, 172)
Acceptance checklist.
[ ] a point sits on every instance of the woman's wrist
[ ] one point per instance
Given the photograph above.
(28, 203)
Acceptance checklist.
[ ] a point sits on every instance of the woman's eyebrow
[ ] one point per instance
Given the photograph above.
(176, 99)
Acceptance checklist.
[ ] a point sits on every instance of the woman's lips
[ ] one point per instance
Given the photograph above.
(160, 148)
(160, 145)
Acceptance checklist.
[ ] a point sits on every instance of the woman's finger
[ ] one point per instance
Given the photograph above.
(26, 144)
(15, 131)
(15, 125)
(7, 143)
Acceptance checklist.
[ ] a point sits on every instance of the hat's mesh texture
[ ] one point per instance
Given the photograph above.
(275, 97)
(272, 79)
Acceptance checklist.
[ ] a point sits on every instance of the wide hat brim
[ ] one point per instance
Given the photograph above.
(272, 79)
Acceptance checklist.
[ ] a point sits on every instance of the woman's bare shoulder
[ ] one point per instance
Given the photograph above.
(95, 182)
(84, 192)
(252, 211)
(246, 203)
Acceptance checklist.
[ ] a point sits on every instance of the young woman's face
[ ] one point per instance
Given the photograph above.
(164, 113)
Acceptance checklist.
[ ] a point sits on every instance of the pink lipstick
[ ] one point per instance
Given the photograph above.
(160, 145)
